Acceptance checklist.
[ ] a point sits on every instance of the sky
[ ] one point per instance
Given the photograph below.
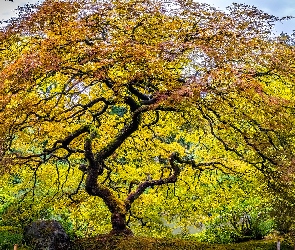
(278, 8)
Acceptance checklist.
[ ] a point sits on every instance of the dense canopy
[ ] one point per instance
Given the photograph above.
(134, 95)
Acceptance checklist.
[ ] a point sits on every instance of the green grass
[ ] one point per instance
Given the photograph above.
(10, 236)
(142, 243)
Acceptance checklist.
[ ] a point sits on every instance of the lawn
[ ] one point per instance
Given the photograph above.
(142, 243)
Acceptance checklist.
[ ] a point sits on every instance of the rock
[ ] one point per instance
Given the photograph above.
(46, 235)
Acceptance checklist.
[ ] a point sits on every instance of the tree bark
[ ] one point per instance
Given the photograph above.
(115, 206)
(119, 225)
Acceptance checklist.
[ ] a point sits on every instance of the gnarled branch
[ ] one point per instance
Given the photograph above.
(151, 183)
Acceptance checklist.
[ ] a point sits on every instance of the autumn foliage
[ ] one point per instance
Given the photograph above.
(135, 95)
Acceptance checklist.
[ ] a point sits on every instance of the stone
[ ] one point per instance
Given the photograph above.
(46, 235)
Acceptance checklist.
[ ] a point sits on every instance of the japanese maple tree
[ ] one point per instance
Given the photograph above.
(128, 91)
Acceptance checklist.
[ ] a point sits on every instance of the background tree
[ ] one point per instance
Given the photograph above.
(139, 94)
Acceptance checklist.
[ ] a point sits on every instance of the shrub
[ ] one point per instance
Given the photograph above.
(10, 236)
(237, 226)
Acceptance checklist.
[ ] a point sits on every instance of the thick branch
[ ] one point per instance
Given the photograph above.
(132, 103)
(151, 183)
(96, 189)
(94, 170)
(108, 82)
(122, 135)
(89, 155)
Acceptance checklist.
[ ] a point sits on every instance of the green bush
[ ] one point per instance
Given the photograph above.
(237, 226)
(10, 236)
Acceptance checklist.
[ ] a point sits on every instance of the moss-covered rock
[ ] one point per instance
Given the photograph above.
(47, 235)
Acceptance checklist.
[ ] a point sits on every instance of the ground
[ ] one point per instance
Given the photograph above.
(135, 243)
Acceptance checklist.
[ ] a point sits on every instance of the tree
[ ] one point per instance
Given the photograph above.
(135, 93)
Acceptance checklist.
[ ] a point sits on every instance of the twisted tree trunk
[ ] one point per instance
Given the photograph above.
(117, 207)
